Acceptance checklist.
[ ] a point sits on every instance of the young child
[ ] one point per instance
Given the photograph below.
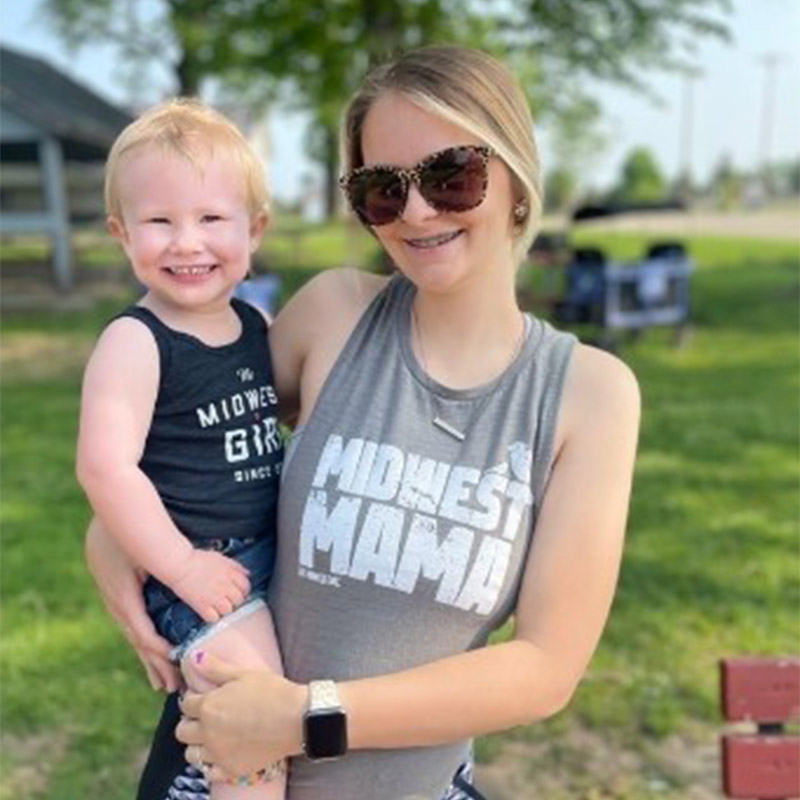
(179, 450)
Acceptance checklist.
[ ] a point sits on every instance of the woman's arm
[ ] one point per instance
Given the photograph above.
(564, 601)
(310, 331)
(120, 586)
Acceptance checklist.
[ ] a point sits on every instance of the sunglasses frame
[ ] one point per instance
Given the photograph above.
(413, 175)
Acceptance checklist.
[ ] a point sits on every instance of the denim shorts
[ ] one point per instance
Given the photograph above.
(177, 622)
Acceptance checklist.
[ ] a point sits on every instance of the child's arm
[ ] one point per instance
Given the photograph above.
(119, 394)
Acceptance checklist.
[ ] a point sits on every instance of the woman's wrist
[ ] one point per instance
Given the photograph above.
(297, 700)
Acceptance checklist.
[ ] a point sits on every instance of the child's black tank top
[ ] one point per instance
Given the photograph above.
(214, 451)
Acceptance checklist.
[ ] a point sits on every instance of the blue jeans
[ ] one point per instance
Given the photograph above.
(181, 625)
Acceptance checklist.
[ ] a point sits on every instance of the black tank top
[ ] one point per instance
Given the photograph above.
(214, 451)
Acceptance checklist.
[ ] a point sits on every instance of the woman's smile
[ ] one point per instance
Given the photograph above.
(435, 241)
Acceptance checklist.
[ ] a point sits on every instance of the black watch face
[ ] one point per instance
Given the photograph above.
(325, 734)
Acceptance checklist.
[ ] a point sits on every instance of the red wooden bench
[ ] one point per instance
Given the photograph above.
(763, 764)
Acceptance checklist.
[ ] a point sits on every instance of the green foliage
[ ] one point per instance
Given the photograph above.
(641, 180)
(575, 135)
(614, 40)
(559, 189)
(784, 177)
(304, 39)
(75, 708)
(314, 55)
(709, 568)
(726, 184)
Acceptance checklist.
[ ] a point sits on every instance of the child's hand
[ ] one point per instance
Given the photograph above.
(212, 584)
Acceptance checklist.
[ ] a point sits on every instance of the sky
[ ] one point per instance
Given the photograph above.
(724, 112)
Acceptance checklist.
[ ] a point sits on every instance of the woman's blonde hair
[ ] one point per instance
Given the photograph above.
(189, 128)
(472, 90)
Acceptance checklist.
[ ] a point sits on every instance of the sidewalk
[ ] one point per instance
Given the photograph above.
(781, 223)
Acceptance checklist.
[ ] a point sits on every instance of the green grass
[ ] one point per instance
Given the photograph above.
(707, 251)
(324, 244)
(711, 560)
(710, 565)
(291, 248)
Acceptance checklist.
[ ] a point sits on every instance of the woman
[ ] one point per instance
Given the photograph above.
(455, 461)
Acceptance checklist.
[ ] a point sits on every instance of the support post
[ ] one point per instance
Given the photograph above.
(52, 161)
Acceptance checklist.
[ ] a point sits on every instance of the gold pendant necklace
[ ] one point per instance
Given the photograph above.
(436, 417)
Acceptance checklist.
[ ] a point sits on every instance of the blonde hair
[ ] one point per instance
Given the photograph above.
(188, 128)
(472, 90)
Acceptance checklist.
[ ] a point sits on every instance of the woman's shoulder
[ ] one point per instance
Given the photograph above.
(601, 389)
(600, 369)
(341, 290)
(325, 308)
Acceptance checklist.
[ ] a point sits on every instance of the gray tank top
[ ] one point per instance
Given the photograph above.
(399, 543)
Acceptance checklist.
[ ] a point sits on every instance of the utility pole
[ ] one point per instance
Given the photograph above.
(770, 62)
(686, 135)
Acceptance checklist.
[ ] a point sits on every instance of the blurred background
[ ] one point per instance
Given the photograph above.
(670, 140)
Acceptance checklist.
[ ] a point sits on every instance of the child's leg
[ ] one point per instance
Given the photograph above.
(249, 641)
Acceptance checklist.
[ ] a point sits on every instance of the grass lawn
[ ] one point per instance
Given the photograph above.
(710, 566)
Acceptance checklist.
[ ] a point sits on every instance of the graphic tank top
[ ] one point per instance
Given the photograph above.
(400, 544)
(214, 450)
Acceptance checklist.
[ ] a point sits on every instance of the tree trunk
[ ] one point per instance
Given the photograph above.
(384, 22)
(331, 171)
(188, 76)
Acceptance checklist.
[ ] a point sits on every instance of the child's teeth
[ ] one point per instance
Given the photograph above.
(191, 270)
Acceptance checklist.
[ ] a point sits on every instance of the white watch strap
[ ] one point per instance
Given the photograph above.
(322, 694)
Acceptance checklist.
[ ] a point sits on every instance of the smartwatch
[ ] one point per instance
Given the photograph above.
(324, 723)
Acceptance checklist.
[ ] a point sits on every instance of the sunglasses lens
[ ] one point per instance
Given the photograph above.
(452, 180)
(377, 195)
(455, 180)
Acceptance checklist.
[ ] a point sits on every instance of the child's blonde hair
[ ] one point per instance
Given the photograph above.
(472, 90)
(189, 128)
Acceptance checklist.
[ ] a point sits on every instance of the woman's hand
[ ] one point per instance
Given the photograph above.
(120, 586)
(251, 720)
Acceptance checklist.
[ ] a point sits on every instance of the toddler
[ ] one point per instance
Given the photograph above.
(179, 450)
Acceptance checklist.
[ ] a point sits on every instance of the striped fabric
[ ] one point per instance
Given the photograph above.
(190, 785)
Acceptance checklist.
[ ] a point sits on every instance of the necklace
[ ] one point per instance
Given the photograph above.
(437, 420)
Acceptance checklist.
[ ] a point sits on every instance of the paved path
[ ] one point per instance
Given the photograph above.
(766, 223)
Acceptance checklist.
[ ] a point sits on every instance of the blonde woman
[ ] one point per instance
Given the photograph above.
(455, 462)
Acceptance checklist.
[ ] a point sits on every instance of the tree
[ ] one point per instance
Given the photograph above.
(312, 55)
(683, 189)
(321, 52)
(189, 37)
(783, 177)
(559, 189)
(727, 184)
(641, 180)
(615, 39)
(575, 139)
